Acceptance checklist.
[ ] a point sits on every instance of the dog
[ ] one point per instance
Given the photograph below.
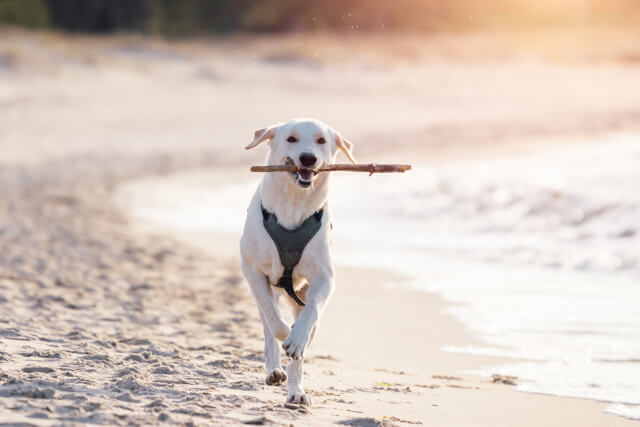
(288, 218)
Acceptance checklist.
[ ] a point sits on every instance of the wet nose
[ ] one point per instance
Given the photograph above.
(307, 159)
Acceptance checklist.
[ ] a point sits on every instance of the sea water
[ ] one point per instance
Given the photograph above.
(539, 252)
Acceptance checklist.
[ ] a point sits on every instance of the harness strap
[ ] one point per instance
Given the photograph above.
(290, 244)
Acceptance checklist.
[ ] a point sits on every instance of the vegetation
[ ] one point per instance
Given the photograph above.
(200, 17)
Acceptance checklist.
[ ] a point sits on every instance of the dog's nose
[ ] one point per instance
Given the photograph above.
(308, 159)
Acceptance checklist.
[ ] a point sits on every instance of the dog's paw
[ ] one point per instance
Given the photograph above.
(295, 343)
(299, 399)
(276, 377)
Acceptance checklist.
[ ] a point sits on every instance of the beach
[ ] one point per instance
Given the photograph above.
(122, 303)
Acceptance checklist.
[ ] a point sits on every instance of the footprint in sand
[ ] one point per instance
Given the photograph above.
(164, 370)
(33, 369)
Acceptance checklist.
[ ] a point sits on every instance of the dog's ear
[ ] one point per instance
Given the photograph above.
(261, 135)
(345, 146)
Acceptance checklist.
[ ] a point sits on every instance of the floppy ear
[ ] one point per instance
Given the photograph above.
(345, 146)
(261, 135)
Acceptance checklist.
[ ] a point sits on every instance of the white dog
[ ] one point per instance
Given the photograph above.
(288, 222)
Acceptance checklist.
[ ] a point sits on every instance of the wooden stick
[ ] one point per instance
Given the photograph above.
(371, 168)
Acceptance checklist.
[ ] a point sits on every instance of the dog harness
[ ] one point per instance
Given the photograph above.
(290, 244)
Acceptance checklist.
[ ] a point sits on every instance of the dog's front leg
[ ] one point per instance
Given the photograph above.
(318, 294)
(266, 303)
(275, 373)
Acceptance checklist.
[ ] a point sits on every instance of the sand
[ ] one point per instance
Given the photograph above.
(105, 321)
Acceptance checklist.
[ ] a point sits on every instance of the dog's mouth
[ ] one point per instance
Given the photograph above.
(303, 176)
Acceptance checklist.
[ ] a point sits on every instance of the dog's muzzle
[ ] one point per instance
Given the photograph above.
(303, 176)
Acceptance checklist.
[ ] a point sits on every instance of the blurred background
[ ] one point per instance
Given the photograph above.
(200, 17)
(521, 119)
(512, 68)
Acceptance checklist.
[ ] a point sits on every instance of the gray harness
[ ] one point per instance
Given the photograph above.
(290, 244)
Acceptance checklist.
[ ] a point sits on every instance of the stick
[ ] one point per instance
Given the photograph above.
(371, 168)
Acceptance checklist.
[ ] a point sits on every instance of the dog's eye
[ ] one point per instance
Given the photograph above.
(292, 139)
(321, 140)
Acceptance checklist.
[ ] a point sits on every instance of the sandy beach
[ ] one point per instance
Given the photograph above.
(109, 319)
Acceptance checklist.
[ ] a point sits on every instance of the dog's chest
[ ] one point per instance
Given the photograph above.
(314, 258)
(273, 269)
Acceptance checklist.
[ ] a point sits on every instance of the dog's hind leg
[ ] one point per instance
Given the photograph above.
(295, 383)
(266, 303)
(298, 309)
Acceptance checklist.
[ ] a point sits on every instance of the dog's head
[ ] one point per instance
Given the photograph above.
(309, 144)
